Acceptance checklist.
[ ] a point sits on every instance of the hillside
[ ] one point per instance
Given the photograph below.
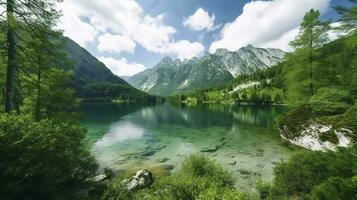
(94, 81)
(170, 77)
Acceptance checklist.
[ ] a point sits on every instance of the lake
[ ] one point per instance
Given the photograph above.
(240, 138)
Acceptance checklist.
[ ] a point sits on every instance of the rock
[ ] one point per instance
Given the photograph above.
(244, 171)
(151, 150)
(232, 163)
(100, 177)
(162, 160)
(310, 135)
(210, 149)
(142, 179)
(167, 167)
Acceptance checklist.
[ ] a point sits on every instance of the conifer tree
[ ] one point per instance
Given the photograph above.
(312, 35)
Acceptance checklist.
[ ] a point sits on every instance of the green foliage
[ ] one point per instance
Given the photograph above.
(95, 91)
(330, 101)
(313, 33)
(294, 119)
(199, 178)
(348, 18)
(43, 160)
(346, 120)
(116, 192)
(329, 136)
(263, 189)
(308, 173)
(201, 166)
(335, 188)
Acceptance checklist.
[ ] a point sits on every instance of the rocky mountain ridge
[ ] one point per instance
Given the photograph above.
(170, 77)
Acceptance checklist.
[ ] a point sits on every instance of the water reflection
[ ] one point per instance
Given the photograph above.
(120, 131)
(136, 134)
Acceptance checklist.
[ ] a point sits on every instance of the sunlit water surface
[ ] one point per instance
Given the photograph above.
(241, 138)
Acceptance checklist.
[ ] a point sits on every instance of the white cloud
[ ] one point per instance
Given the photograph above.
(200, 20)
(127, 19)
(75, 28)
(186, 50)
(264, 23)
(115, 44)
(121, 67)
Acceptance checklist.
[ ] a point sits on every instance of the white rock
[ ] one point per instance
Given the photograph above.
(309, 138)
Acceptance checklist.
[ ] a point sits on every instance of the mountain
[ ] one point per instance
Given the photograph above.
(94, 81)
(171, 77)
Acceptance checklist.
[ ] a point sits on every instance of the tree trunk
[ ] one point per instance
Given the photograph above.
(311, 62)
(38, 100)
(11, 55)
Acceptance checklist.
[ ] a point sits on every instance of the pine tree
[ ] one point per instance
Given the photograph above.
(312, 35)
(23, 17)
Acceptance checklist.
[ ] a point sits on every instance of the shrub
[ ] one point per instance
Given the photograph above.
(349, 119)
(199, 178)
(330, 101)
(329, 136)
(116, 192)
(263, 189)
(306, 170)
(42, 160)
(200, 166)
(336, 188)
(295, 118)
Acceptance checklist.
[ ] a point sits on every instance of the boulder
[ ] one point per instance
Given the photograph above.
(100, 177)
(142, 179)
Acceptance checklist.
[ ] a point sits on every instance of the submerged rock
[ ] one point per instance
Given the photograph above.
(232, 163)
(142, 179)
(168, 167)
(210, 149)
(150, 150)
(162, 160)
(244, 171)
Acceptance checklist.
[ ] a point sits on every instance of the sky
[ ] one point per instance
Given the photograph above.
(129, 36)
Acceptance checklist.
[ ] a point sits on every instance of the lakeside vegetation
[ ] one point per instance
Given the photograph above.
(42, 148)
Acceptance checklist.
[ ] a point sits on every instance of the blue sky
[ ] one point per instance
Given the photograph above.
(132, 35)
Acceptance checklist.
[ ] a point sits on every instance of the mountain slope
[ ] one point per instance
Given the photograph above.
(171, 77)
(94, 81)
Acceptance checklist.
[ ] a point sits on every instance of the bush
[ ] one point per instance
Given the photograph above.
(42, 160)
(329, 136)
(330, 101)
(304, 171)
(116, 192)
(294, 119)
(200, 166)
(349, 119)
(336, 188)
(199, 178)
